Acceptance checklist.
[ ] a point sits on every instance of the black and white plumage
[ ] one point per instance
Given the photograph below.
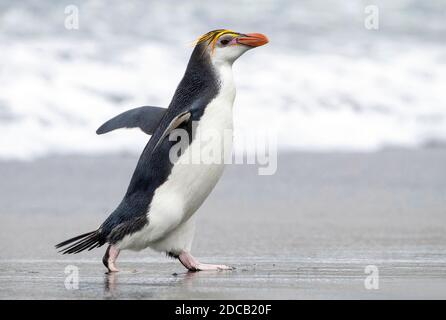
(157, 209)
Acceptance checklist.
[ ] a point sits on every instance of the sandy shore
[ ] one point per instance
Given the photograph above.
(308, 231)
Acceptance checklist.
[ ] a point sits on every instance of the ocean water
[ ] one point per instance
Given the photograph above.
(323, 83)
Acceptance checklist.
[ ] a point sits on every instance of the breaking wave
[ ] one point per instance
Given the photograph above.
(323, 83)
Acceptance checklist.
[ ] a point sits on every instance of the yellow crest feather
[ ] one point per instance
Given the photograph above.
(212, 36)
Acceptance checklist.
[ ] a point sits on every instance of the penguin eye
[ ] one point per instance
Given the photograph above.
(224, 41)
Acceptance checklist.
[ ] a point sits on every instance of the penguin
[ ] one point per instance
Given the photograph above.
(158, 208)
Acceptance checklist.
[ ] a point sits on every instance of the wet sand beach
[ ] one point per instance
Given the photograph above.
(309, 231)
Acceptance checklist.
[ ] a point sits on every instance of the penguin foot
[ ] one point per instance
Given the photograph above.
(193, 264)
(110, 257)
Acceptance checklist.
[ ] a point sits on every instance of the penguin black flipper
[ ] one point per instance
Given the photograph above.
(146, 118)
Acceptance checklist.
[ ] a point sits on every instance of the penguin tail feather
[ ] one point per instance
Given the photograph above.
(89, 240)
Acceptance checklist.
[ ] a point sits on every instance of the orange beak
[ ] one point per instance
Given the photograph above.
(253, 39)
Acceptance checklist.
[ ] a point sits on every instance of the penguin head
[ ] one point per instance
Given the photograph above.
(225, 46)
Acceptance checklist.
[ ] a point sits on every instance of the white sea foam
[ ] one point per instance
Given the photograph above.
(356, 94)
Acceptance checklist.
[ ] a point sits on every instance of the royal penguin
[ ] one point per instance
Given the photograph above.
(165, 191)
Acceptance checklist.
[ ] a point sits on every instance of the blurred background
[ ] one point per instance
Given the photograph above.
(361, 121)
(325, 81)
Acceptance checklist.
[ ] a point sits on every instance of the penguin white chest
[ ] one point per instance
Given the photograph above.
(197, 172)
(191, 181)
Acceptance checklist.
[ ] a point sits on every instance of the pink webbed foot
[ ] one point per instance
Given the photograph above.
(110, 257)
(193, 264)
